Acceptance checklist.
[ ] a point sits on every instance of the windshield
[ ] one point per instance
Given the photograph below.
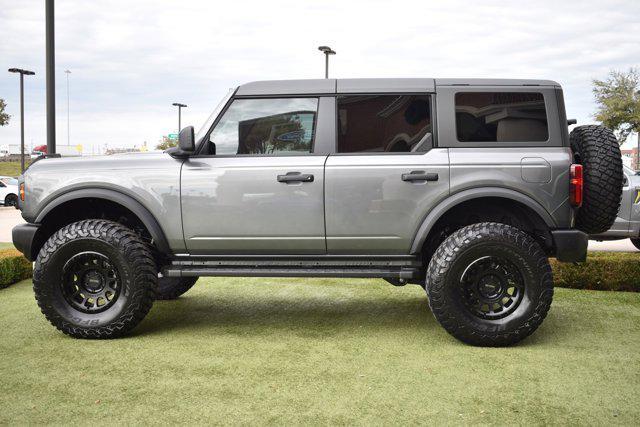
(207, 124)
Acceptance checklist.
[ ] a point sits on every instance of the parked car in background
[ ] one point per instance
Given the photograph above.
(627, 223)
(10, 180)
(8, 191)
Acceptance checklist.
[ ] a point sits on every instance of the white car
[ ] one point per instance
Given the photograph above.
(9, 180)
(9, 191)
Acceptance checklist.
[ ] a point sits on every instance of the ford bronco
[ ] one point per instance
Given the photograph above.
(464, 187)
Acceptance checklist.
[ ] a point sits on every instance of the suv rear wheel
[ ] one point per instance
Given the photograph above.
(95, 279)
(489, 284)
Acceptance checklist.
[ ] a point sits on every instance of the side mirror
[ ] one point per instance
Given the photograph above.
(186, 144)
(186, 139)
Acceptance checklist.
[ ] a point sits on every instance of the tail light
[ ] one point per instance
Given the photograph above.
(576, 186)
(22, 191)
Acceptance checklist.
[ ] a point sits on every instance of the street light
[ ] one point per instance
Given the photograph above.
(22, 74)
(179, 105)
(67, 72)
(327, 51)
(51, 76)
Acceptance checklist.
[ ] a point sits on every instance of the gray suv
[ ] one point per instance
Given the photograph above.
(464, 187)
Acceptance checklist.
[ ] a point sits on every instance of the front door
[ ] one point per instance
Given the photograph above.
(386, 175)
(257, 188)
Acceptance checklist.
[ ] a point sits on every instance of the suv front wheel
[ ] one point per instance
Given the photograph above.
(489, 284)
(95, 279)
(172, 287)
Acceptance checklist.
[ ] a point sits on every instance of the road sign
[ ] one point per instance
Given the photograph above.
(173, 135)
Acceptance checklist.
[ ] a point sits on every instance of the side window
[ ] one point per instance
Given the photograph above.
(384, 123)
(501, 117)
(266, 126)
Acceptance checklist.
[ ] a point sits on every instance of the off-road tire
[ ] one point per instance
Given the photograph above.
(597, 149)
(172, 287)
(636, 242)
(128, 257)
(455, 256)
(11, 200)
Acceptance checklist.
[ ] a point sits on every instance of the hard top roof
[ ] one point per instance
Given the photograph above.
(332, 86)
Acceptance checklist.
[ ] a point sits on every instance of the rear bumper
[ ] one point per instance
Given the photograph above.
(570, 245)
(23, 236)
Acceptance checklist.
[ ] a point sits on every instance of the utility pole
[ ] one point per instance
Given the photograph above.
(22, 74)
(67, 72)
(327, 51)
(180, 106)
(51, 77)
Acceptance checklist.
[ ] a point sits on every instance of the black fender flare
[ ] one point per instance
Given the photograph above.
(149, 221)
(475, 193)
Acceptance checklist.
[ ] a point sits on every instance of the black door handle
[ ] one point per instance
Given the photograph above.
(419, 176)
(295, 177)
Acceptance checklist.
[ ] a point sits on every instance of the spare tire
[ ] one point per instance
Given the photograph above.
(596, 148)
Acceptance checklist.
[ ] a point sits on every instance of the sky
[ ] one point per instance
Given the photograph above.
(130, 60)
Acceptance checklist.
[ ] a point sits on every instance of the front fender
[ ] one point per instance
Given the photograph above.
(149, 221)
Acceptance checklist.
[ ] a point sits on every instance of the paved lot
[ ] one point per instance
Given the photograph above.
(9, 217)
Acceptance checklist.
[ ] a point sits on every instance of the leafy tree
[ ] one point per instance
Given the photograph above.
(167, 143)
(618, 99)
(4, 117)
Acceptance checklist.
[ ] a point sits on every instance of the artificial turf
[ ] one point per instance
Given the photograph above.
(321, 351)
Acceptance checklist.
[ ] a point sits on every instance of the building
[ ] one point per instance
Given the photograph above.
(630, 158)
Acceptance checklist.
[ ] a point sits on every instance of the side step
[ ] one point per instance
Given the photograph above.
(405, 268)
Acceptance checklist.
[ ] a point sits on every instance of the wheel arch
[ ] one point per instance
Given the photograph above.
(477, 195)
(100, 198)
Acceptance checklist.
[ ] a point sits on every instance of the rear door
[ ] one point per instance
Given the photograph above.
(386, 174)
(507, 137)
(258, 189)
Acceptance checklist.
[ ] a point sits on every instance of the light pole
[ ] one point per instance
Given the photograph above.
(179, 105)
(22, 74)
(327, 51)
(51, 76)
(67, 72)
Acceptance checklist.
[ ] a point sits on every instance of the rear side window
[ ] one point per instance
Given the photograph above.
(277, 126)
(501, 117)
(384, 123)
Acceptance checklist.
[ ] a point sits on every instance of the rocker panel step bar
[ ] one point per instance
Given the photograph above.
(395, 268)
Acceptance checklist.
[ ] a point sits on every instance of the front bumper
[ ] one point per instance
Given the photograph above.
(23, 236)
(570, 245)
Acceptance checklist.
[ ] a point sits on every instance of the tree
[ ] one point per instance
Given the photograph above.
(4, 117)
(167, 143)
(618, 99)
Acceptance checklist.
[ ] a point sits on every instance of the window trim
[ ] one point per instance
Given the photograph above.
(446, 116)
(198, 153)
(432, 106)
(546, 113)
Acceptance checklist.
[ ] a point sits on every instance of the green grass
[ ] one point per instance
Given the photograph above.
(297, 351)
(12, 168)
(6, 245)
